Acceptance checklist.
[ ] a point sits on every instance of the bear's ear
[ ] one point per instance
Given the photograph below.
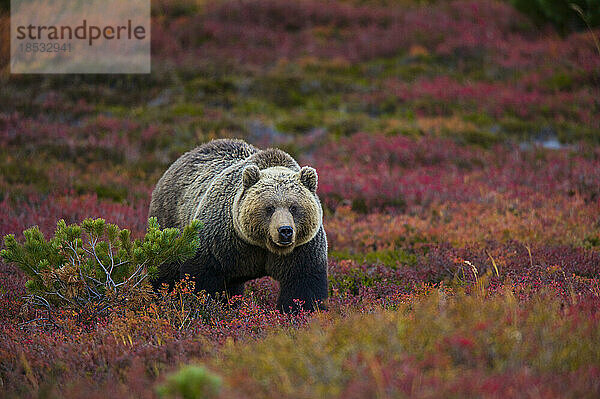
(250, 175)
(308, 177)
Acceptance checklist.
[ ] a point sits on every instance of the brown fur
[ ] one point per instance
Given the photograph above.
(243, 195)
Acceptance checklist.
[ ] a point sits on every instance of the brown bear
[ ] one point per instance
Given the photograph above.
(261, 217)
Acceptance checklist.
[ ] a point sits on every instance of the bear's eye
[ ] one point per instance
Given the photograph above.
(293, 208)
(269, 210)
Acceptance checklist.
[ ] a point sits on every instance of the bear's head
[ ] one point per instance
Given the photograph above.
(277, 208)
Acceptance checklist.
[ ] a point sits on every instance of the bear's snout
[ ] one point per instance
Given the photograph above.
(282, 231)
(286, 233)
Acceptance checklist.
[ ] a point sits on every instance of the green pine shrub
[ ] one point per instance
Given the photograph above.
(191, 382)
(95, 264)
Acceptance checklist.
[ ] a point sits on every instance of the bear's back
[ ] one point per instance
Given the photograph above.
(220, 153)
(189, 177)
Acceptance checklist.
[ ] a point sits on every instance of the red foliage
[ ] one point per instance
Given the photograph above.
(405, 217)
(400, 172)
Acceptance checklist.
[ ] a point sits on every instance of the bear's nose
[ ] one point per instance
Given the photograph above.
(285, 234)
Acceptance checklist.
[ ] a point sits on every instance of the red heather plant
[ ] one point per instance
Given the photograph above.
(418, 351)
(182, 306)
(378, 172)
(556, 220)
(95, 265)
(518, 100)
(43, 211)
(262, 31)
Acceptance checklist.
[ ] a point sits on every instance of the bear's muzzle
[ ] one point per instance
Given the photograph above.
(286, 235)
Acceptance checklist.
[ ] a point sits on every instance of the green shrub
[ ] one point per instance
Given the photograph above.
(565, 15)
(191, 382)
(95, 263)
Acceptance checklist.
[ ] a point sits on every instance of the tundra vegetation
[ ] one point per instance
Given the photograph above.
(458, 151)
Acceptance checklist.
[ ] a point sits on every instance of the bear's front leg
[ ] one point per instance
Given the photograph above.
(303, 292)
(302, 275)
(206, 272)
